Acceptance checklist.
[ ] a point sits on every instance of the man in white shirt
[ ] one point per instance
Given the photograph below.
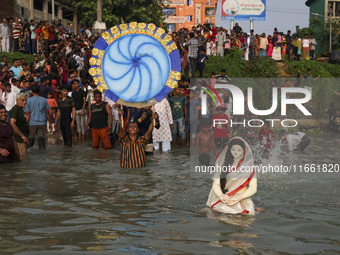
(88, 32)
(33, 27)
(9, 98)
(4, 35)
(305, 47)
(220, 38)
(14, 86)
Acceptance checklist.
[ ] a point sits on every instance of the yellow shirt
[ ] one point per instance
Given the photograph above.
(23, 73)
(45, 32)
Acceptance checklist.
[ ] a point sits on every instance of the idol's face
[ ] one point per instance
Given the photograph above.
(237, 151)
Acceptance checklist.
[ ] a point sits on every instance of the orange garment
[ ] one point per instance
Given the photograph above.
(45, 32)
(101, 134)
(52, 102)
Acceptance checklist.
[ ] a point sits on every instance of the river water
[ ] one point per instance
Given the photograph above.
(79, 201)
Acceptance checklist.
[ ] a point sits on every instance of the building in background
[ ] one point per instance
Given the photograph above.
(321, 13)
(40, 10)
(324, 9)
(188, 13)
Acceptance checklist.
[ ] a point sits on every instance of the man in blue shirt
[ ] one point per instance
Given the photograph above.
(16, 69)
(37, 115)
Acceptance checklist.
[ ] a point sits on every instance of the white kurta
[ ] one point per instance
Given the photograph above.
(163, 134)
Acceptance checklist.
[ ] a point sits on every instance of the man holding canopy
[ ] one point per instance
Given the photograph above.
(133, 145)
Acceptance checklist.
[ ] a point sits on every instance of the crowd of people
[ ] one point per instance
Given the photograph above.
(55, 92)
(218, 41)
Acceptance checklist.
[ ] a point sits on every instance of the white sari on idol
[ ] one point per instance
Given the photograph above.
(241, 184)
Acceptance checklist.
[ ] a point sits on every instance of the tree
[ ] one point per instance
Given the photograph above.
(148, 11)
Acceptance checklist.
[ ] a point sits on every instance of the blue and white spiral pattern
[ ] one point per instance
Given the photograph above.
(136, 67)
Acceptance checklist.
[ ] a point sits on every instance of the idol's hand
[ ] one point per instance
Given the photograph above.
(234, 199)
(225, 198)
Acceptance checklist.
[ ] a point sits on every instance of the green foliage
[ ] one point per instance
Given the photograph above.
(113, 10)
(263, 68)
(334, 70)
(316, 67)
(17, 55)
(232, 62)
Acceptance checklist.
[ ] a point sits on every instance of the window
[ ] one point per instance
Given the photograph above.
(22, 11)
(189, 18)
(189, 2)
(209, 11)
(38, 5)
(330, 8)
(337, 9)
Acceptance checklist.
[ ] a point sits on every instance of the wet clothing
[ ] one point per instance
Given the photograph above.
(220, 130)
(78, 97)
(177, 106)
(143, 125)
(37, 106)
(267, 139)
(6, 142)
(297, 140)
(103, 135)
(163, 134)
(65, 106)
(240, 182)
(19, 115)
(99, 125)
(99, 116)
(133, 152)
(335, 123)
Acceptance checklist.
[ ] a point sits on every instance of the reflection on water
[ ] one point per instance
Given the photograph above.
(79, 201)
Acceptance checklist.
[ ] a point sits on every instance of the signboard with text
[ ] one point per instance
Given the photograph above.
(174, 2)
(176, 19)
(243, 10)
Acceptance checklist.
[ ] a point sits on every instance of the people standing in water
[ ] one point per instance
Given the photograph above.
(8, 147)
(204, 142)
(295, 141)
(66, 109)
(133, 145)
(144, 118)
(235, 182)
(100, 118)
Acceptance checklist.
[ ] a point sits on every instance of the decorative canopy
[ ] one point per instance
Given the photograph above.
(135, 64)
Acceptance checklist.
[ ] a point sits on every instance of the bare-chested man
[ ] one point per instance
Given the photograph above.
(204, 141)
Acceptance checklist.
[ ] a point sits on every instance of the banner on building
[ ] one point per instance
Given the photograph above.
(243, 9)
(198, 14)
(174, 2)
(176, 19)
